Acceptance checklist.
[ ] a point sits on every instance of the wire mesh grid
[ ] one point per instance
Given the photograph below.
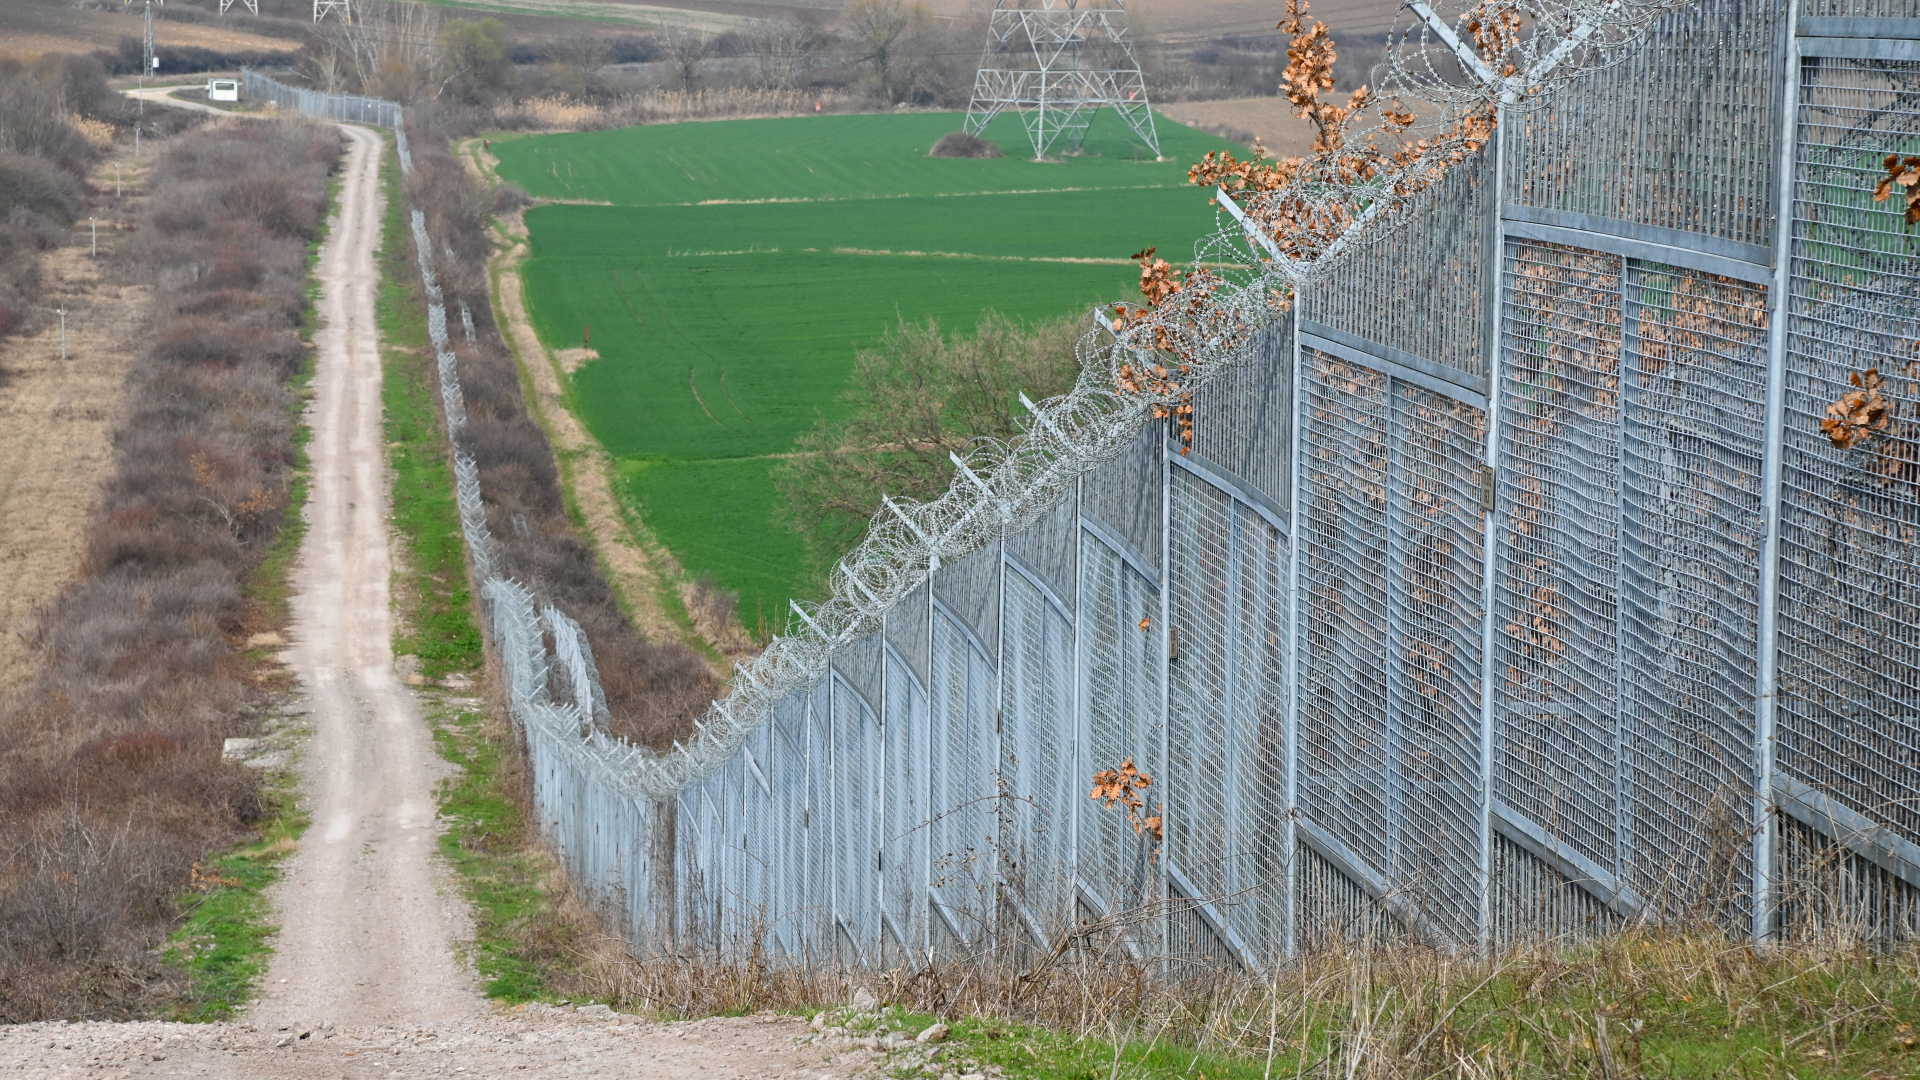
(1691, 526)
(903, 835)
(789, 904)
(1827, 890)
(1331, 907)
(1436, 545)
(1529, 899)
(964, 773)
(1036, 759)
(1344, 711)
(1556, 614)
(856, 789)
(1849, 697)
(1417, 285)
(1862, 9)
(1120, 717)
(1234, 417)
(1683, 134)
(817, 820)
(1227, 692)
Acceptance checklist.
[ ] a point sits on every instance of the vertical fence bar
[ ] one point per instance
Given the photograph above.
(1494, 259)
(1297, 481)
(1159, 444)
(1771, 471)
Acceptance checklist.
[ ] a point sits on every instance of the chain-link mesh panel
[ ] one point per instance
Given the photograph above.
(1343, 727)
(856, 791)
(964, 775)
(1226, 760)
(1242, 419)
(1555, 616)
(1826, 891)
(1047, 547)
(1691, 524)
(1120, 714)
(1849, 691)
(1683, 134)
(1417, 284)
(903, 835)
(1036, 750)
(1436, 550)
(1124, 494)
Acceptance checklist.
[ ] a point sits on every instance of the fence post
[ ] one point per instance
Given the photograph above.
(1296, 465)
(1772, 470)
(1160, 434)
(1495, 258)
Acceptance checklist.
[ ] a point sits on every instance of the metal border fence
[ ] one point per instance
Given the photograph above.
(1508, 585)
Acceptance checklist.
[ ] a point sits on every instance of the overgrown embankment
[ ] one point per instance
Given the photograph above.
(113, 782)
(654, 689)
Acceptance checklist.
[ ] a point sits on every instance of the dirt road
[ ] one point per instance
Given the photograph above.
(368, 922)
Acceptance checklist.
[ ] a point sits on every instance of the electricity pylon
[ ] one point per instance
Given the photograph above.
(321, 8)
(252, 5)
(1057, 62)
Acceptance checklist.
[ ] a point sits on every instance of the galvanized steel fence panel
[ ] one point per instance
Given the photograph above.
(1380, 740)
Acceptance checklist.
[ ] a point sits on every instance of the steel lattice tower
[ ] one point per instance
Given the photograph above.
(1056, 62)
(322, 7)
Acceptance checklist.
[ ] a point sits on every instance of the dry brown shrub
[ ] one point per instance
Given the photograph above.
(112, 784)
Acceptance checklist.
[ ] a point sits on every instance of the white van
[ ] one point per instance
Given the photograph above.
(223, 89)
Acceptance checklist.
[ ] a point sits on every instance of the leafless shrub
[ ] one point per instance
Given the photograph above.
(959, 144)
(112, 783)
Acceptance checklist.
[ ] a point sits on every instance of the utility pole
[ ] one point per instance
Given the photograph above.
(63, 334)
(94, 224)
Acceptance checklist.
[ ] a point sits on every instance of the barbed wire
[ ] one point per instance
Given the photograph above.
(1450, 69)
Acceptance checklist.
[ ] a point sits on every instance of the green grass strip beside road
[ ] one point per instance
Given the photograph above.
(433, 599)
(521, 941)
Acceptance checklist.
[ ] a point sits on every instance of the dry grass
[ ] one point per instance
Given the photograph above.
(1642, 1002)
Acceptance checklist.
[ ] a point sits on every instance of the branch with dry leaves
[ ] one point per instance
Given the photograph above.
(1860, 413)
(1904, 172)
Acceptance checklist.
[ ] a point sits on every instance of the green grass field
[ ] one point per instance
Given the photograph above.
(742, 263)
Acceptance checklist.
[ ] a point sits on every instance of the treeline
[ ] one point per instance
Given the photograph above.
(654, 690)
(112, 782)
(870, 54)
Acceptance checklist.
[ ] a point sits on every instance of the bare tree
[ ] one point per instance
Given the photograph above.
(573, 64)
(391, 49)
(686, 48)
(783, 51)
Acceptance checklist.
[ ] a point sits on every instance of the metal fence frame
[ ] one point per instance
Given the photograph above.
(1536, 607)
